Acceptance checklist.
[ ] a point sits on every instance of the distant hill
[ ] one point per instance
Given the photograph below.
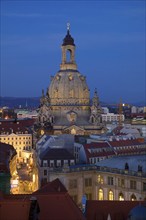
(33, 102)
(16, 102)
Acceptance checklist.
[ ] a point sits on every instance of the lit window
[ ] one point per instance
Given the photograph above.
(133, 197)
(121, 197)
(100, 179)
(100, 194)
(110, 195)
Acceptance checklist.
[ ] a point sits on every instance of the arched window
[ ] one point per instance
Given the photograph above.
(92, 119)
(110, 195)
(68, 56)
(73, 131)
(133, 197)
(100, 194)
(121, 197)
(100, 179)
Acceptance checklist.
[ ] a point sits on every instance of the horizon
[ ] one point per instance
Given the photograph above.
(109, 39)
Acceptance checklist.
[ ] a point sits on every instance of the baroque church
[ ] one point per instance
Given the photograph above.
(66, 106)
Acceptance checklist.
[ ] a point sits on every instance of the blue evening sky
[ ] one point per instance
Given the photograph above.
(109, 38)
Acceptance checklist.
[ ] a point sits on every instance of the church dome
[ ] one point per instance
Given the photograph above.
(137, 213)
(69, 87)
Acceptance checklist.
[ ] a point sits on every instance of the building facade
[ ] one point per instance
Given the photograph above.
(111, 117)
(17, 134)
(101, 183)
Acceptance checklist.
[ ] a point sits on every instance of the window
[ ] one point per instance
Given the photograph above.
(88, 182)
(45, 163)
(73, 184)
(58, 163)
(45, 172)
(89, 196)
(110, 180)
(51, 163)
(133, 197)
(132, 184)
(110, 195)
(121, 197)
(100, 179)
(72, 162)
(65, 162)
(121, 182)
(100, 194)
(144, 186)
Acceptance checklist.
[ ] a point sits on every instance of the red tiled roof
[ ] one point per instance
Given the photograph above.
(118, 210)
(15, 125)
(121, 143)
(54, 186)
(98, 154)
(93, 145)
(54, 204)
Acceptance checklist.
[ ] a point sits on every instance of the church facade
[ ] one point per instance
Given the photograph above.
(66, 105)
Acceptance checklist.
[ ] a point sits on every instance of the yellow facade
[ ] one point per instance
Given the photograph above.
(22, 142)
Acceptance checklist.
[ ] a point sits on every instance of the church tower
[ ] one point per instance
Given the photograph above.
(68, 52)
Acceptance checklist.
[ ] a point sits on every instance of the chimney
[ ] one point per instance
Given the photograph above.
(126, 168)
(34, 209)
(139, 170)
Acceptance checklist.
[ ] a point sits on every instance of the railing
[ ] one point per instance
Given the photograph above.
(68, 169)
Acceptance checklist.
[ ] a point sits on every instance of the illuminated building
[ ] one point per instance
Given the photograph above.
(17, 134)
(101, 183)
(66, 104)
(7, 113)
(111, 117)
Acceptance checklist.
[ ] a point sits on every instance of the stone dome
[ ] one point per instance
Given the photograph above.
(69, 87)
(137, 213)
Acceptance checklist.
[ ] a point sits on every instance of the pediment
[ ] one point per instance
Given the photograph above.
(13, 135)
(73, 129)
